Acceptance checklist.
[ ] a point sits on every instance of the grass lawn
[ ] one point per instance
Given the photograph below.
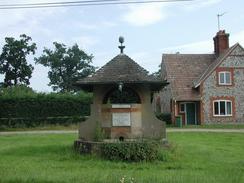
(198, 157)
(76, 126)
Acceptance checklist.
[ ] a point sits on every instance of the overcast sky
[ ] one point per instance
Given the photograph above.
(149, 29)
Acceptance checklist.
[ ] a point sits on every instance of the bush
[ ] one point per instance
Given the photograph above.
(23, 107)
(23, 92)
(99, 133)
(34, 122)
(131, 151)
(43, 107)
(165, 117)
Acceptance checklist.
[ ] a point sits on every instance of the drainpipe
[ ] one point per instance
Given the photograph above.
(175, 107)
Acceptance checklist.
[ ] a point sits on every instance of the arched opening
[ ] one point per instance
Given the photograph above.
(121, 139)
(125, 96)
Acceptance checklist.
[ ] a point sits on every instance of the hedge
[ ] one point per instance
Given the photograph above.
(34, 122)
(35, 112)
(42, 108)
(38, 109)
(131, 151)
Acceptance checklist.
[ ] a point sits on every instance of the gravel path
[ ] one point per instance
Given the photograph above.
(168, 130)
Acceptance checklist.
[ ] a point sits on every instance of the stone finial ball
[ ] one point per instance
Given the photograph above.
(121, 39)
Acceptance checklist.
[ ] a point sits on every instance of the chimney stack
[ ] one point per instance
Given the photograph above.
(221, 42)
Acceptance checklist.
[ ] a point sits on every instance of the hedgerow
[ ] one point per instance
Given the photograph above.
(131, 151)
(22, 107)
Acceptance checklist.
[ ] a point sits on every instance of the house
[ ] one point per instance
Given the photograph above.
(205, 88)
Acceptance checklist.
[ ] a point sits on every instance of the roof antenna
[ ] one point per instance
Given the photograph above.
(218, 17)
(121, 47)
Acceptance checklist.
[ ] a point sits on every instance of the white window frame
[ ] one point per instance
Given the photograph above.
(225, 83)
(184, 107)
(221, 115)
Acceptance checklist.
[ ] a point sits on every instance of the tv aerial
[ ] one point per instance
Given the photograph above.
(218, 17)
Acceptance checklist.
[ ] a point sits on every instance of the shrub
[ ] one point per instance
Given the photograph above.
(131, 151)
(165, 117)
(99, 133)
(23, 107)
(34, 122)
(42, 108)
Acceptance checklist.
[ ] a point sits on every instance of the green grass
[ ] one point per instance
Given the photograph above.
(196, 157)
(75, 127)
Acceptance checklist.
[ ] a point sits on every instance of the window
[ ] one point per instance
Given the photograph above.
(225, 78)
(182, 107)
(222, 108)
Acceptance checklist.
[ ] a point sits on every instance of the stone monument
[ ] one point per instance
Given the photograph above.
(122, 92)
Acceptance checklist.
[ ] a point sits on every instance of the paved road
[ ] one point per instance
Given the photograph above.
(168, 130)
(205, 130)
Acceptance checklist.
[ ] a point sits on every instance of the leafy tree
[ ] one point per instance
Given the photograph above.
(158, 73)
(67, 65)
(18, 91)
(13, 62)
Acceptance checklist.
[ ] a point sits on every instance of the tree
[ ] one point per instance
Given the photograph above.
(67, 65)
(13, 62)
(18, 91)
(158, 73)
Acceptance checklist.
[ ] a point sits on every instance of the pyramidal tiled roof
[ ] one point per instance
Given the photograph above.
(120, 69)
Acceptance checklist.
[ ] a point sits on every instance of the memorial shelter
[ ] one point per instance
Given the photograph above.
(122, 97)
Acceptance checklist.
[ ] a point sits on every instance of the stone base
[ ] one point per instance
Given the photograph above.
(92, 147)
(87, 147)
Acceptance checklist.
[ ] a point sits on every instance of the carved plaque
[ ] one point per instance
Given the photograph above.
(121, 119)
(121, 106)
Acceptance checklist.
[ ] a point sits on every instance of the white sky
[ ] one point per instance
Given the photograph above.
(149, 30)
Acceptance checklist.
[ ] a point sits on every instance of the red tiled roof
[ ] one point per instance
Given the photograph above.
(182, 70)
